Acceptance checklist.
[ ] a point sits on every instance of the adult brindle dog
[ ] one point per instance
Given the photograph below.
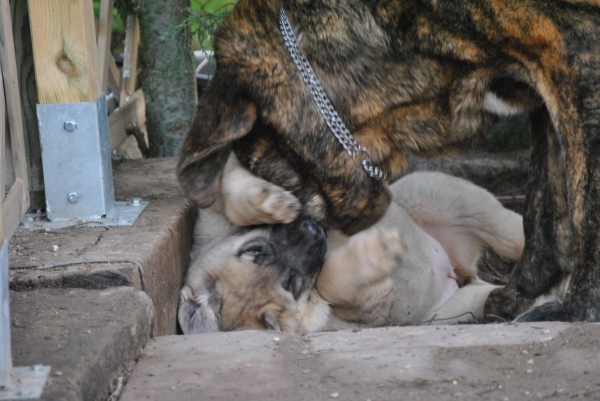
(422, 76)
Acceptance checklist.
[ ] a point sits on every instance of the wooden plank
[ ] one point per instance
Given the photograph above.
(134, 111)
(114, 79)
(104, 34)
(64, 50)
(13, 104)
(27, 90)
(129, 75)
(14, 207)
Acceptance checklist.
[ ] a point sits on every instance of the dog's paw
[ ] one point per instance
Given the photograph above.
(548, 312)
(262, 203)
(380, 247)
(273, 204)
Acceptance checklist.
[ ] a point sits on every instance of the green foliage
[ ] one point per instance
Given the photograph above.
(204, 16)
(122, 8)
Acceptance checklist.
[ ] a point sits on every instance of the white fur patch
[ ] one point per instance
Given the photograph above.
(494, 104)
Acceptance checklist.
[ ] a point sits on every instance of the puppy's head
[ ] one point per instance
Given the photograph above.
(260, 279)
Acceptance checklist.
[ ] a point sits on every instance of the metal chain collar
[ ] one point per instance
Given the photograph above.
(333, 120)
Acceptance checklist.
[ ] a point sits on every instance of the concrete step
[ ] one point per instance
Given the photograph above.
(499, 362)
(89, 338)
(152, 255)
(86, 299)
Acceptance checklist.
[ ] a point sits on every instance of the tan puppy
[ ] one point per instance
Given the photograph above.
(405, 270)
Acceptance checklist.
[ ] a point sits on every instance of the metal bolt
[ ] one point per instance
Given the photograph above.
(73, 197)
(70, 126)
(136, 201)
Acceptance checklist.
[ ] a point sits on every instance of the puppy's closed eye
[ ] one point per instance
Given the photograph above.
(256, 252)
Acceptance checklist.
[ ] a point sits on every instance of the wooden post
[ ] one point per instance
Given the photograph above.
(26, 74)
(104, 34)
(132, 41)
(64, 50)
(16, 203)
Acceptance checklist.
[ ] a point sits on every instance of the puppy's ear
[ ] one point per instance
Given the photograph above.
(200, 314)
(220, 119)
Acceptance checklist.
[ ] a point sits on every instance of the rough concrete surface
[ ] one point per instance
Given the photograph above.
(485, 362)
(151, 255)
(88, 337)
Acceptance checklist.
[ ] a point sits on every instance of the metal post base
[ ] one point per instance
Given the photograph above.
(76, 159)
(121, 214)
(27, 383)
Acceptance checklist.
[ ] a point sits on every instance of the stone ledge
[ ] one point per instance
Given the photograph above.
(157, 245)
(496, 361)
(88, 337)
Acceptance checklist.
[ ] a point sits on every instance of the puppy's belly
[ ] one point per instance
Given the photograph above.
(443, 272)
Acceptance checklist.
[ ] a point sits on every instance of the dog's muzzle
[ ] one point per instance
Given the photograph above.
(300, 249)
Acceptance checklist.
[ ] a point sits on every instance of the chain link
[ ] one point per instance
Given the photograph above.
(333, 120)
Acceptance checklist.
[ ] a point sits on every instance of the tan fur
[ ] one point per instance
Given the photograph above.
(385, 275)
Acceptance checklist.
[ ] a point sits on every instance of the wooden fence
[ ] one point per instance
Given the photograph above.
(73, 63)
(14, 178)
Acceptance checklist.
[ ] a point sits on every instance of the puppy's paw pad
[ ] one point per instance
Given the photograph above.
(391, 243)
(381, 246)
(273, 204)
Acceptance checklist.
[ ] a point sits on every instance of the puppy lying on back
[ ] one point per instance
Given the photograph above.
(417, 265)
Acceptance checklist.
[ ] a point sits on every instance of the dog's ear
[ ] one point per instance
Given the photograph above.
(220, 119)
(198, 314)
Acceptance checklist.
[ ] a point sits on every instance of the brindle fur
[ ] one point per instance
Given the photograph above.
(413, 75)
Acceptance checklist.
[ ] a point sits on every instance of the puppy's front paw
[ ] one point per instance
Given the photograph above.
(260, 202)
(379, 247)
(273, 204)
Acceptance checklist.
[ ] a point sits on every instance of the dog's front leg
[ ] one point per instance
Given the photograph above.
(548, 256)
(356, 278)
(249, 200)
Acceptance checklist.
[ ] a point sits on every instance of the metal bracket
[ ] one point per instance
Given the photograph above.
(122, 214)
(78, 169)
(76, 159)
(27, 383)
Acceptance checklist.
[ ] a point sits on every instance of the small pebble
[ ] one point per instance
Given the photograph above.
(530, 362)
(529, 371)
(334, 395)
(54, 248)
(525, 352)
(276, 338)
(545, 331)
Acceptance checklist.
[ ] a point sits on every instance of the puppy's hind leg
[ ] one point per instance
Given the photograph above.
(463, 217)
(249, 200)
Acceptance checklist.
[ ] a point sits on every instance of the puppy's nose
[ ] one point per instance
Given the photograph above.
(310, 227)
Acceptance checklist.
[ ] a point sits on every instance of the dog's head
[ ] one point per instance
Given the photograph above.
(258, 106)
(260, 279)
